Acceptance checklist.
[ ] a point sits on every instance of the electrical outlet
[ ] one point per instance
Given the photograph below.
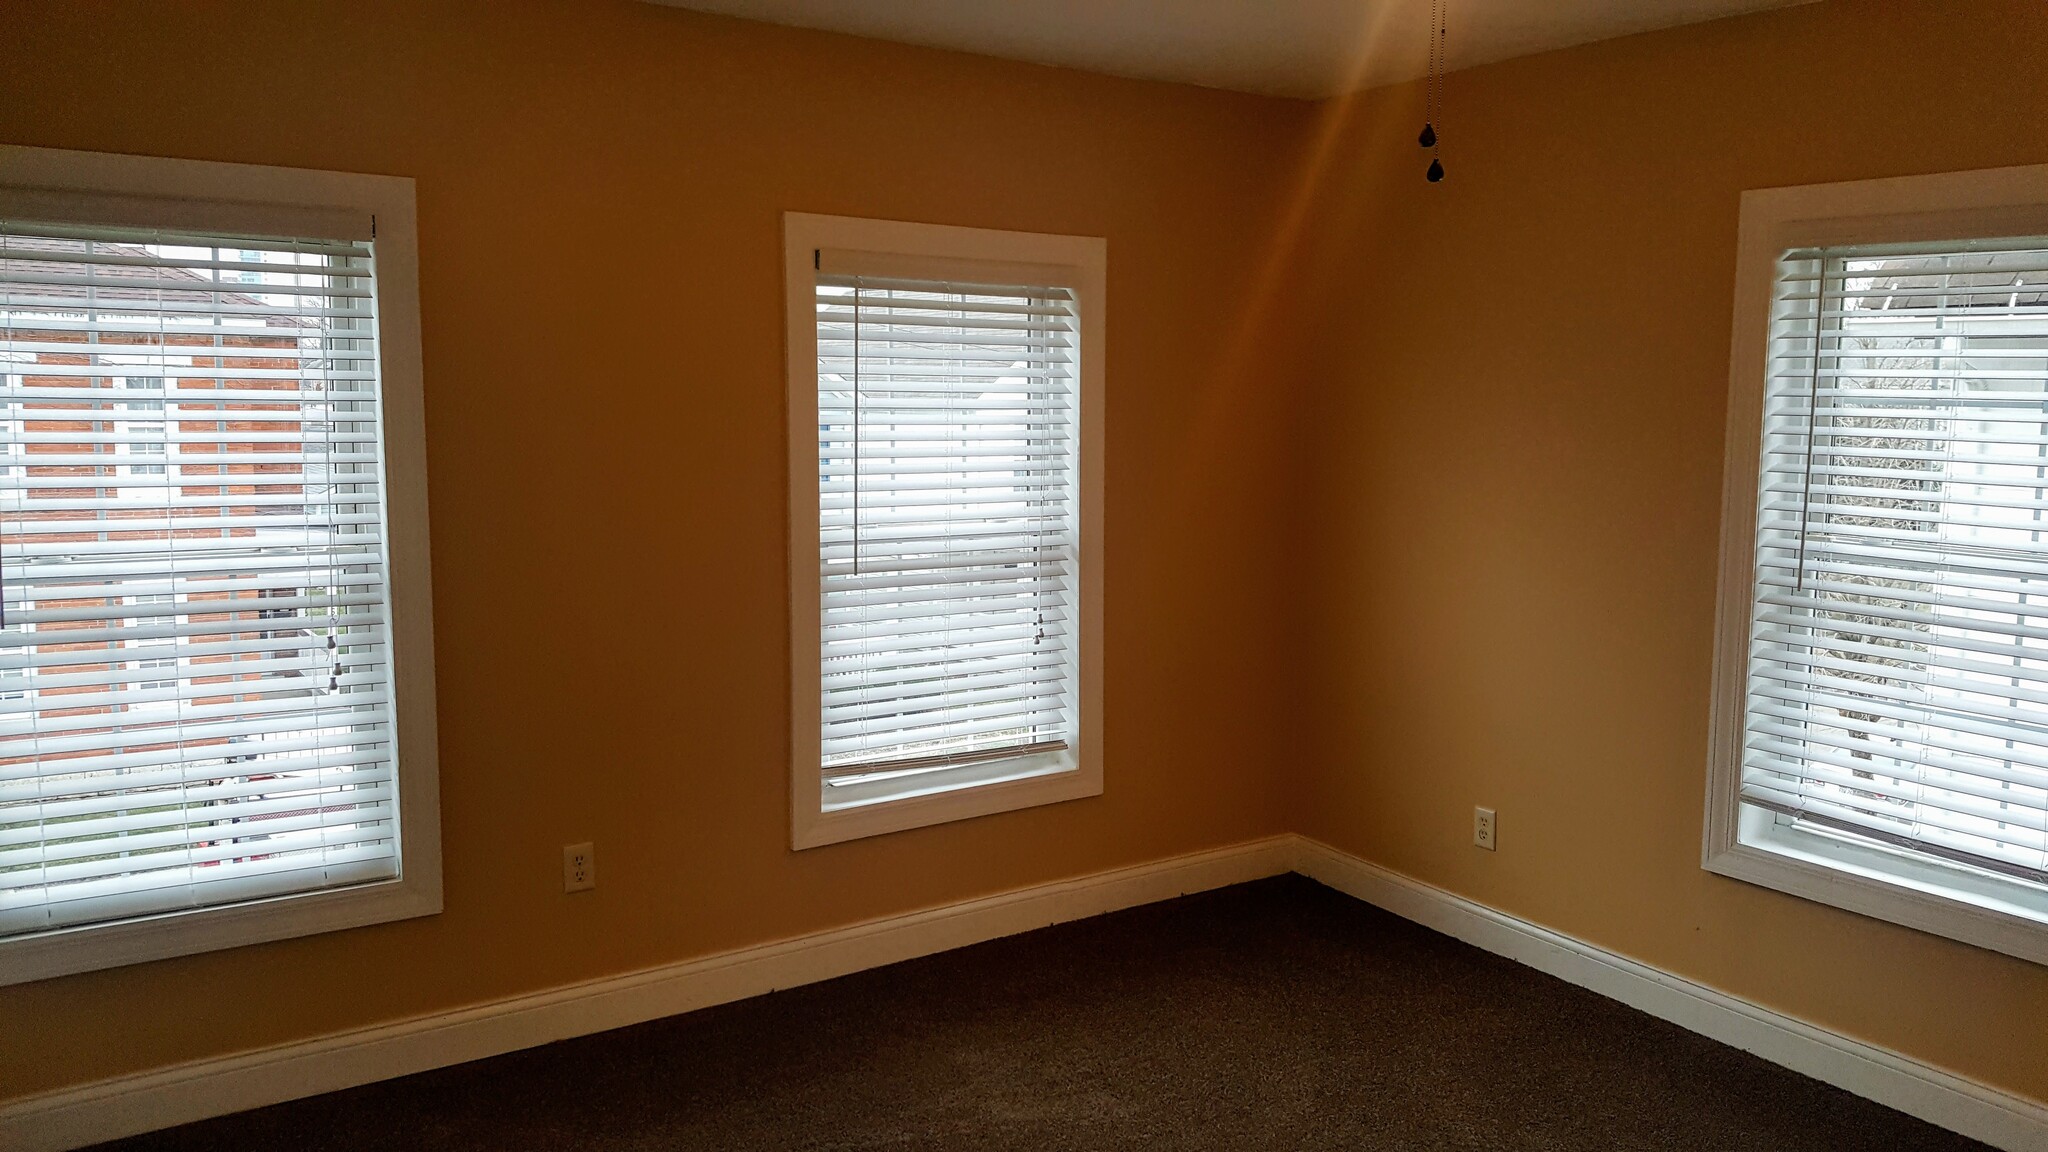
(579, 867)
(1483, 828)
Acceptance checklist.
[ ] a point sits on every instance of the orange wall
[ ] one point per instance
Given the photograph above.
(608, 502)
(1518, 423)
(1441, 533)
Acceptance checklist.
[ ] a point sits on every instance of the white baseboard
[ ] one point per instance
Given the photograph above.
(1996, 1117)
(128, 1105)
(132, 1104)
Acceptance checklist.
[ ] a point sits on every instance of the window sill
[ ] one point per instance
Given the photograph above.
(90, 947)
(1952, 901)
(873, 808)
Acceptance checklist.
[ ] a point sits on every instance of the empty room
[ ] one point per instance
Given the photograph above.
(615, 575)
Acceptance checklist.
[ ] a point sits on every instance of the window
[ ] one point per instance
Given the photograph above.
(13, 681)
(945, 399)
(144, 430)
(156, 647)
(1881, 733)
(215, 681)
(10, 432)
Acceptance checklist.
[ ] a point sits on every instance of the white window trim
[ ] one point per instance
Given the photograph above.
(996, 786)
(1890, 885)
(103, 188)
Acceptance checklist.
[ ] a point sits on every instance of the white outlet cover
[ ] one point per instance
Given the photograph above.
(579, 867)
(1485, 828)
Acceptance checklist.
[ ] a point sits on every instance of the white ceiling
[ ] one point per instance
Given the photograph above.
(1307, 48)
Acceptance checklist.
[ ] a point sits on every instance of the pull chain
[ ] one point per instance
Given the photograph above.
(1433, 92)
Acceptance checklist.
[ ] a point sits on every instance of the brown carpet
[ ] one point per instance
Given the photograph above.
(1267, 1016)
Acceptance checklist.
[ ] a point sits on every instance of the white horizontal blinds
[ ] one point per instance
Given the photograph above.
(194, 672)
(946, 468)
(1898, 684)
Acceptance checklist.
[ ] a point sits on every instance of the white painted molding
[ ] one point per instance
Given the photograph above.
(917, 251)
(1994, 1116)
(128, 1105)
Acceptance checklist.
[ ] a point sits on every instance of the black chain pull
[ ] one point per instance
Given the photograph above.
(1433, 91)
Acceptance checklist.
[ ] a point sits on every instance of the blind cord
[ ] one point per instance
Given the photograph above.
(1820, 321)
(857, 287)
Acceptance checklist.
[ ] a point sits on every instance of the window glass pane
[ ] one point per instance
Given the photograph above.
(946, 452)
(195, 676)
(1899, 682)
